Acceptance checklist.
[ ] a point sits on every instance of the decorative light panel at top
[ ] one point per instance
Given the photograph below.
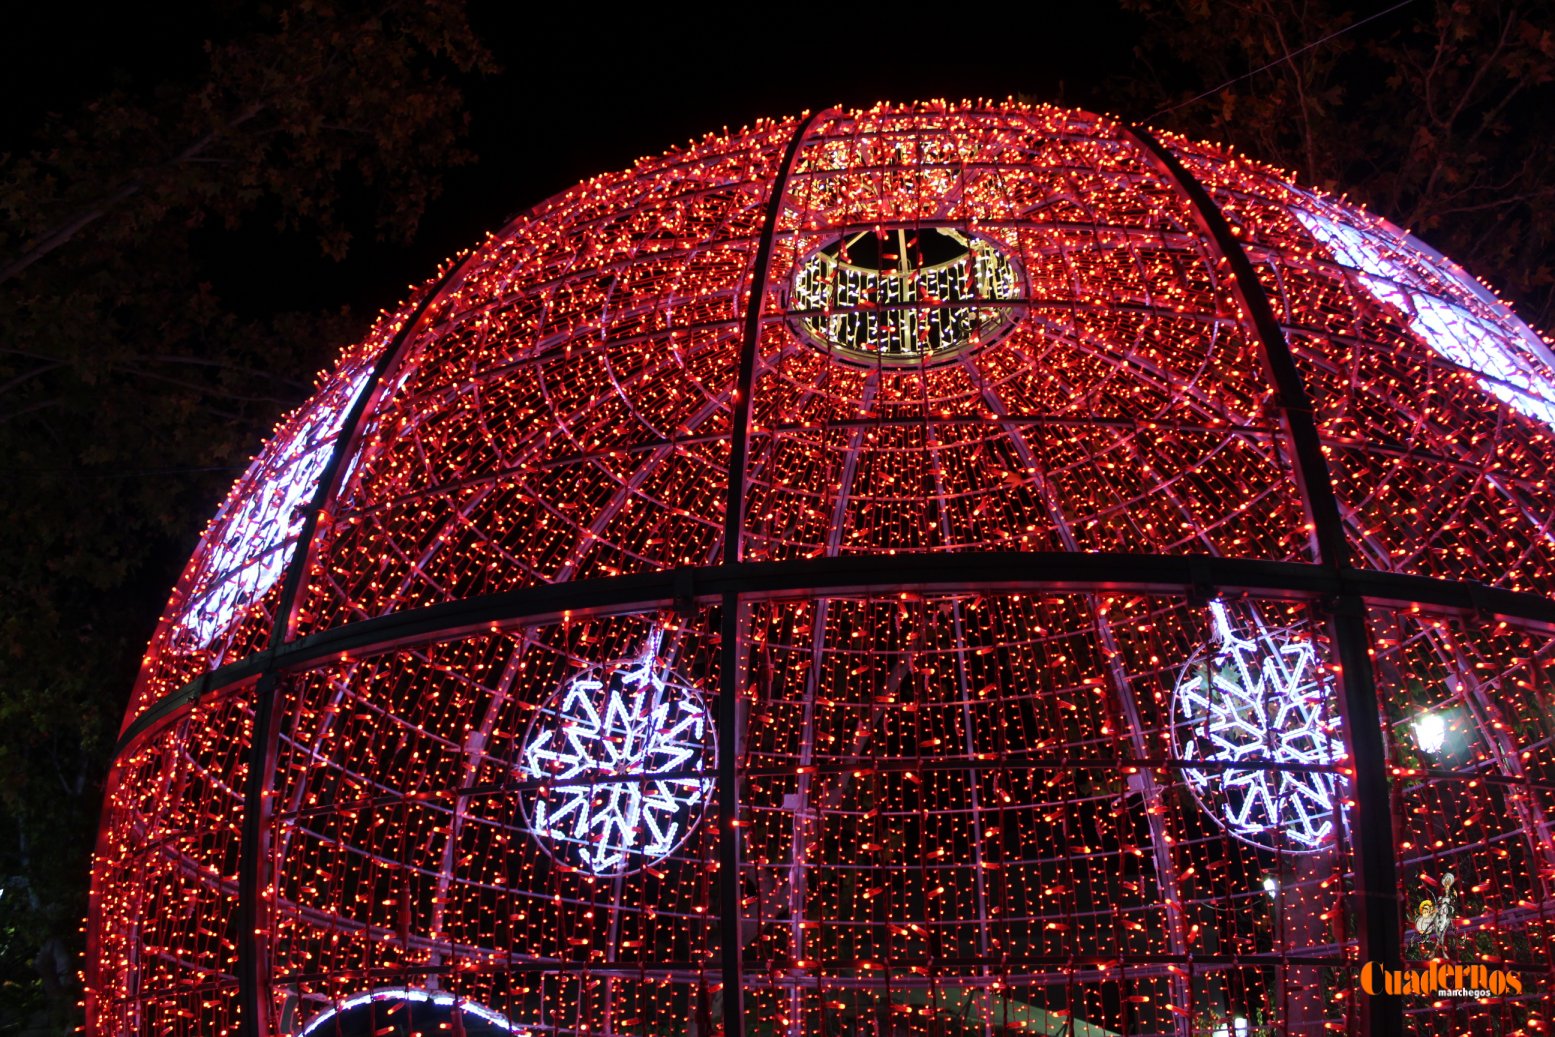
(1457, 317)
(248, 549)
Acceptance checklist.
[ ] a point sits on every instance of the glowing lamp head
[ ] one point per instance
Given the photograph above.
(1431, 732)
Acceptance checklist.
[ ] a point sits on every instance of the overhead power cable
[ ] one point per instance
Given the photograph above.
(1280, 60)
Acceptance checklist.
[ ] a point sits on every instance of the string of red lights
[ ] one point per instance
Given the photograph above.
(965, 801)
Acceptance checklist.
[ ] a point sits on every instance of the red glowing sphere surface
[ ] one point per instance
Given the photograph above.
(935, 570)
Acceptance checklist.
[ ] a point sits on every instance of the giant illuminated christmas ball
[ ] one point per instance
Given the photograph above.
(943, 570)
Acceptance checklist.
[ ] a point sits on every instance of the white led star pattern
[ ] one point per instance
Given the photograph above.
(248, 549)
(1259, 701)
(1456, 316)
(626, 759)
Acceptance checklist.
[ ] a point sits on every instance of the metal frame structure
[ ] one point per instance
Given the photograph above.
(786, 187)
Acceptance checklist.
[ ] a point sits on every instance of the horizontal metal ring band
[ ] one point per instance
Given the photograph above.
(1194, 576)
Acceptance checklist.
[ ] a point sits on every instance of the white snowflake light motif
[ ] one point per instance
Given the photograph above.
(250, 546)
(626, 757)
(1257, 702)
(1455, 315)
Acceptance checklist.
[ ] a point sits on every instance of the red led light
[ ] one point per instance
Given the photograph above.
(1016, 405)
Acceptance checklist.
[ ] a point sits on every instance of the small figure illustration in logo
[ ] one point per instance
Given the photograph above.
(1433, 918)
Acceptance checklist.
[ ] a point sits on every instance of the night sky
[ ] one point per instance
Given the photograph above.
(582, 91)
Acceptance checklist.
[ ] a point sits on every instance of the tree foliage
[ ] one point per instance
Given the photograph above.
(132, 391)
(1439, 115)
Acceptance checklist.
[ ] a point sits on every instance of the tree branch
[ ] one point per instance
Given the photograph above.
(67, 230)
(30, 375)
(63, 233)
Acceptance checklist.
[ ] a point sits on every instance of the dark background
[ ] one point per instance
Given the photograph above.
(201, 202)
(581, 90)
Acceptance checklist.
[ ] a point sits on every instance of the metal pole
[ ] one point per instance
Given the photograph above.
(729, 740)
(255, 925)
(1371, 826)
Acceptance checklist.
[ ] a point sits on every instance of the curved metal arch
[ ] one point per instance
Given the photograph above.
(253, 847)
(1192, 576)
(1376, 863)
(732, 627)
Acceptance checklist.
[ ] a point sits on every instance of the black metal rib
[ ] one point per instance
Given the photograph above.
(252, 998)
(739, 433)
(731, 630)
(973, 571)
(1377, 867)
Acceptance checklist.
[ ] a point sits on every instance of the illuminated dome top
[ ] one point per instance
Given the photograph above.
(1015, 308)
(942, 349)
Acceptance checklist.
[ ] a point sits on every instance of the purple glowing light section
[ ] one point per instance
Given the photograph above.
(252, 541)
(1457, 317)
